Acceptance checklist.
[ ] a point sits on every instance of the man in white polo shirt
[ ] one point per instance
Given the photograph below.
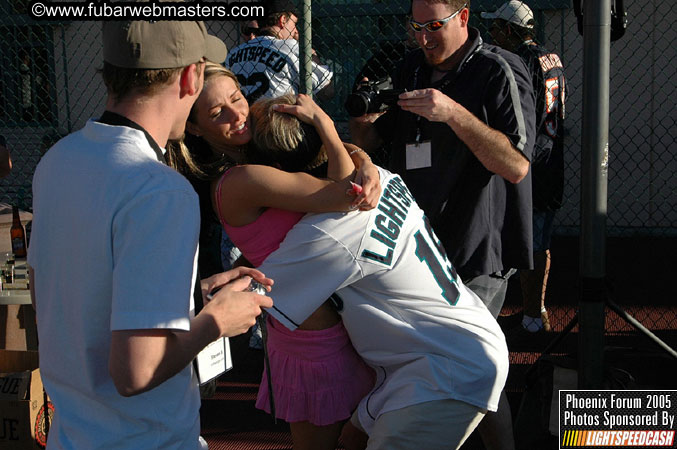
(113, 254)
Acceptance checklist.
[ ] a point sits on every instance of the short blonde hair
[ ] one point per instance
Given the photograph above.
(282, 139)
(273, 130)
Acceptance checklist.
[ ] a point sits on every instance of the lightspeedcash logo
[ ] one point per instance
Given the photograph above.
(617, 419)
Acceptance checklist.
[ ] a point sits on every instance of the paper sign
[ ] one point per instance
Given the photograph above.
(419, 155)
(213, 360)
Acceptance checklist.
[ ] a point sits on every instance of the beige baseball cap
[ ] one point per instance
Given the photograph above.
(513, 11)
(164, 44)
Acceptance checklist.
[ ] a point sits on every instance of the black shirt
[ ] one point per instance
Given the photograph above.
(483, 220)
(547, 167)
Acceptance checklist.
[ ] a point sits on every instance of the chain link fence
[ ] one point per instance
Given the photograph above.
(49, 86)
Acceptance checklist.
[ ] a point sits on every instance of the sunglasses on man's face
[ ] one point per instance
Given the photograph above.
(433, 25)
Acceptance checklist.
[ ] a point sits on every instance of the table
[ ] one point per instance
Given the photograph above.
(18, 330)
(15, 295)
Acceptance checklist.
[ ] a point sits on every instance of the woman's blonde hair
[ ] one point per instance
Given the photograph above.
(281, 139)
(191, 155)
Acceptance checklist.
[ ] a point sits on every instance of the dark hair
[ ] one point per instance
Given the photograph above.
(522, 32)
(270, 20)
(248, 28)
(121, 81)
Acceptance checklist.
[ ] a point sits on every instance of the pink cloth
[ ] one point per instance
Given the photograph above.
(317, 375)
(260, 238)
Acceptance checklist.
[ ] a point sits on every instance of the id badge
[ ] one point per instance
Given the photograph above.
(214, 360)
(419, 155)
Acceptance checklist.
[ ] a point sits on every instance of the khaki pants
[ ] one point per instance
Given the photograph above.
(436, 425)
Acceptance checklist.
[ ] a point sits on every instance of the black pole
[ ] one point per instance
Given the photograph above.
(595, 153)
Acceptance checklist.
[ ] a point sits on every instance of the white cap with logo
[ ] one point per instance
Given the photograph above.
(513, 11)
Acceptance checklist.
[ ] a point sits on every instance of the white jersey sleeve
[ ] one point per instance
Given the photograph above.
(307, 253)
(322, 75)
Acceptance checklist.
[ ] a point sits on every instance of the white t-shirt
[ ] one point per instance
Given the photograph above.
(113, 247)
(269, 67)
(407, 313)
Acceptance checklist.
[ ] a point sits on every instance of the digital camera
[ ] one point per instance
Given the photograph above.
(257, 287)
(372, 97)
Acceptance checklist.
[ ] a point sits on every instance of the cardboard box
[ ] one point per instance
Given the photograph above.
(23, 402)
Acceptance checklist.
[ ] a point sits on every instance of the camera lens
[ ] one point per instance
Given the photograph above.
(357, 104)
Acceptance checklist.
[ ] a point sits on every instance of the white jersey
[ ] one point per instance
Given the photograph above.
(407, 313)
(270, 67)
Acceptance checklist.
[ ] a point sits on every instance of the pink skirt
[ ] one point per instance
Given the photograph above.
(316, 375)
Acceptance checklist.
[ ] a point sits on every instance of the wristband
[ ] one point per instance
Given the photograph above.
(350, 153)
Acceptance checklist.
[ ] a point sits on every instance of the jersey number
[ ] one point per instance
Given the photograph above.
(442, 270)
(552, 95)
(257, 81)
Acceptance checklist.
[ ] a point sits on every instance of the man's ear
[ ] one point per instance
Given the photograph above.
(282, 20)
(465, 17)
(193, 128)
(189, 80)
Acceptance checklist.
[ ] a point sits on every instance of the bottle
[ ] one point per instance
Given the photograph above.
(17, 234)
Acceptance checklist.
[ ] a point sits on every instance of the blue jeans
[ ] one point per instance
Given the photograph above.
(543, 223)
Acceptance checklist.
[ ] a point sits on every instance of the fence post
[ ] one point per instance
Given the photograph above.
(595, 154)
(306, 49)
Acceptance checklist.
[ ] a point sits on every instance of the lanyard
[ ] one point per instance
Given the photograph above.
(441, 87)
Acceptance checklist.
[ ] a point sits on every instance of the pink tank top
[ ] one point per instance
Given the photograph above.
(260, 238)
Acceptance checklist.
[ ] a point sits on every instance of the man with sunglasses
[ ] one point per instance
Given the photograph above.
(462, 137)
(249, 29)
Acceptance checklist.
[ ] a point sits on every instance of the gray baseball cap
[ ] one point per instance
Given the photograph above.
(514, 11)
(164, 44)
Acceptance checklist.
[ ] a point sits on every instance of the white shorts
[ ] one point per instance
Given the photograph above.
(440, 424)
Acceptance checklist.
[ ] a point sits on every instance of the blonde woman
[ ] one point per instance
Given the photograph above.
(317, 377)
